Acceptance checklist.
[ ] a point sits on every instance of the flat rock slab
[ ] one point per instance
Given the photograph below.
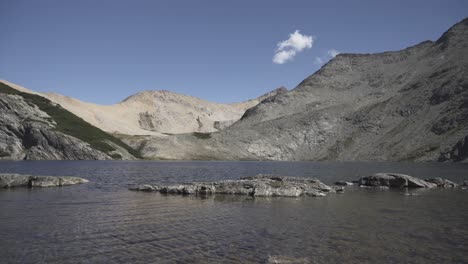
(396, 180)
(10, 180)
(260, 185)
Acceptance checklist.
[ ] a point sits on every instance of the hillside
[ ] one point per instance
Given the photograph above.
(34, 128)
(156, 113)
(407, 105)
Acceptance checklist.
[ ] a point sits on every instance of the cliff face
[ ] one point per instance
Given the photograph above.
(404, 105)
(33, 128)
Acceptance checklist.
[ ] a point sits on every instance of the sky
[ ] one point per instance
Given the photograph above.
(103, 51)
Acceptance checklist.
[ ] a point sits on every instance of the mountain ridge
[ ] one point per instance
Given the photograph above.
(407, 105)
(399, 105)
(155, 112)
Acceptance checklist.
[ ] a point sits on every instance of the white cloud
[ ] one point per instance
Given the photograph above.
(283, 56)
(333, 52)
(289, 48)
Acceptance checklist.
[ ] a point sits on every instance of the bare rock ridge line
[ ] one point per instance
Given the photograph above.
(408, 105)
(10, 180)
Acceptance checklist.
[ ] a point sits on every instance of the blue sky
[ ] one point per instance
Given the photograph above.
(102, 51)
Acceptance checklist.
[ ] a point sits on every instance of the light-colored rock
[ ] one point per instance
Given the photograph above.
(394, 180)
(442, 182)
(155, 113)
(260, 185)
(10, 180)
(281, 259)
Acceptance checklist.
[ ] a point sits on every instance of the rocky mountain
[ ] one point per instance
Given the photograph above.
(401, 105)
(34, 128)
(156, 113)
(407, 105)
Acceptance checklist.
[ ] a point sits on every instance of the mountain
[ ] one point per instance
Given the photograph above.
(401, 105)
(53, 126)
(157, 113)
(34, 128)
(409, 105)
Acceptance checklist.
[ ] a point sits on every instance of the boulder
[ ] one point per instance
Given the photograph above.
(442, 182)
(10, 180)
(395, 180)
(144, 188)
(14, 180)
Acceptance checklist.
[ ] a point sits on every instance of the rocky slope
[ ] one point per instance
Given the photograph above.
(34, 128)
(402, 105)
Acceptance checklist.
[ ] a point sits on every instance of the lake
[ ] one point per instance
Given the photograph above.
(103, 222)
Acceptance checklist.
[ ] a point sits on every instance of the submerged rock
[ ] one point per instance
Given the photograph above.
(10, 180)
(395, 180)
(344, 183)
(279, 259)
(442, 182)
(260, 185)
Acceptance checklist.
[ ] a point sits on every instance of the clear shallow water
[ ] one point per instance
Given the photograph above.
(104, 222)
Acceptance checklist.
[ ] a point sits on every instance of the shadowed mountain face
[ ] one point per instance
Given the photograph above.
(403, 105)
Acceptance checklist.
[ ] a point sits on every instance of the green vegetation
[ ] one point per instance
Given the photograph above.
(201, 135)
(71, 124)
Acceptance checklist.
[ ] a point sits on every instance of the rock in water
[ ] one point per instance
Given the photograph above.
(260, 185)
(394, 180)
(344, 183)
(442, 182)
(9, 180)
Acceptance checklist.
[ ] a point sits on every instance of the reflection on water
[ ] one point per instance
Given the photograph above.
(103, 222)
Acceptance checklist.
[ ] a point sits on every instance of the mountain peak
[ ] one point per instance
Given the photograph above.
(458, 33)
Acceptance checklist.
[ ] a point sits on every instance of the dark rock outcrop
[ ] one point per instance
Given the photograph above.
(260, 185)
(10, 180)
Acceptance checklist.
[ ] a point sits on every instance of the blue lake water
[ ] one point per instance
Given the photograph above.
(103, 222)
